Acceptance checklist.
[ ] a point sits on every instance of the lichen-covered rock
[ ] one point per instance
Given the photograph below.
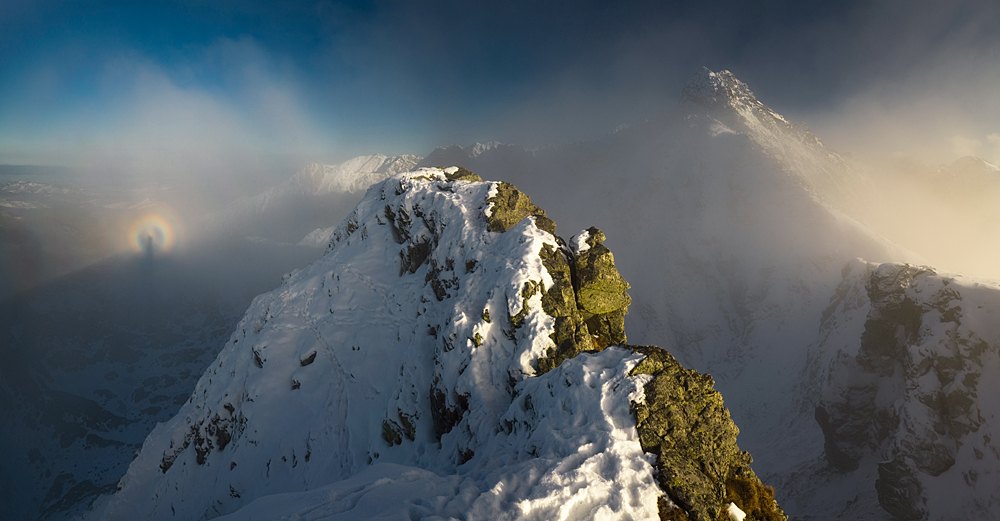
(588, 299)
(461, 174)
(510, 206)
(685, 423)
(571, 335)
(601, 289)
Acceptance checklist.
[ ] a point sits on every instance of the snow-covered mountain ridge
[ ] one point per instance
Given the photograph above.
(742, 237)
(449, 357)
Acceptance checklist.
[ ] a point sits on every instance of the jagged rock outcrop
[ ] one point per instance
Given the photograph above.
(447, 333)
(912, 399)
(684, 422)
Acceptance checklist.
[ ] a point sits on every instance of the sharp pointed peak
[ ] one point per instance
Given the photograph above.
(717, 89)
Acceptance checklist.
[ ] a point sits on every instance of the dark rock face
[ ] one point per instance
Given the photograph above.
(899, 491)
(908, 398)
(700, 467)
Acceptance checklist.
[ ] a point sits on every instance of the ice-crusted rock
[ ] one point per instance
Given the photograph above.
(448, 356)
(915, 398)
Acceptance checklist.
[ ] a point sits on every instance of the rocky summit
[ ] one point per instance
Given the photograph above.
(448, 356)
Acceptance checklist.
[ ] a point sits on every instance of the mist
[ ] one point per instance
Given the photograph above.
(139, 150)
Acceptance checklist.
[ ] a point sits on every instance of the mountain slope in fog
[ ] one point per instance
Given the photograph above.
(312, 198)
(91, 361)
(912, 401)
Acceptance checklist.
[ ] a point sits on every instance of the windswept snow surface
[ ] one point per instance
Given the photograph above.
(329, 398)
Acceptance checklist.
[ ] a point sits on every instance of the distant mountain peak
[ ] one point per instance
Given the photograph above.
(474, 150)
(353, 175)
(472, 155)
(973, 163)
(714, 89)
(478, 148)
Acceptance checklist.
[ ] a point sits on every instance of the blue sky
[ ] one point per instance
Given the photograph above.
(220, 85)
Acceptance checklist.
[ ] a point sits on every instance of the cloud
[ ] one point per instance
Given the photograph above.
(963, 146)
(916, 80)
(223, 113)
(992, 149)
(330, 79)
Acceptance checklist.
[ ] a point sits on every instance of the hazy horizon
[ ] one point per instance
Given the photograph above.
(182, 89)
